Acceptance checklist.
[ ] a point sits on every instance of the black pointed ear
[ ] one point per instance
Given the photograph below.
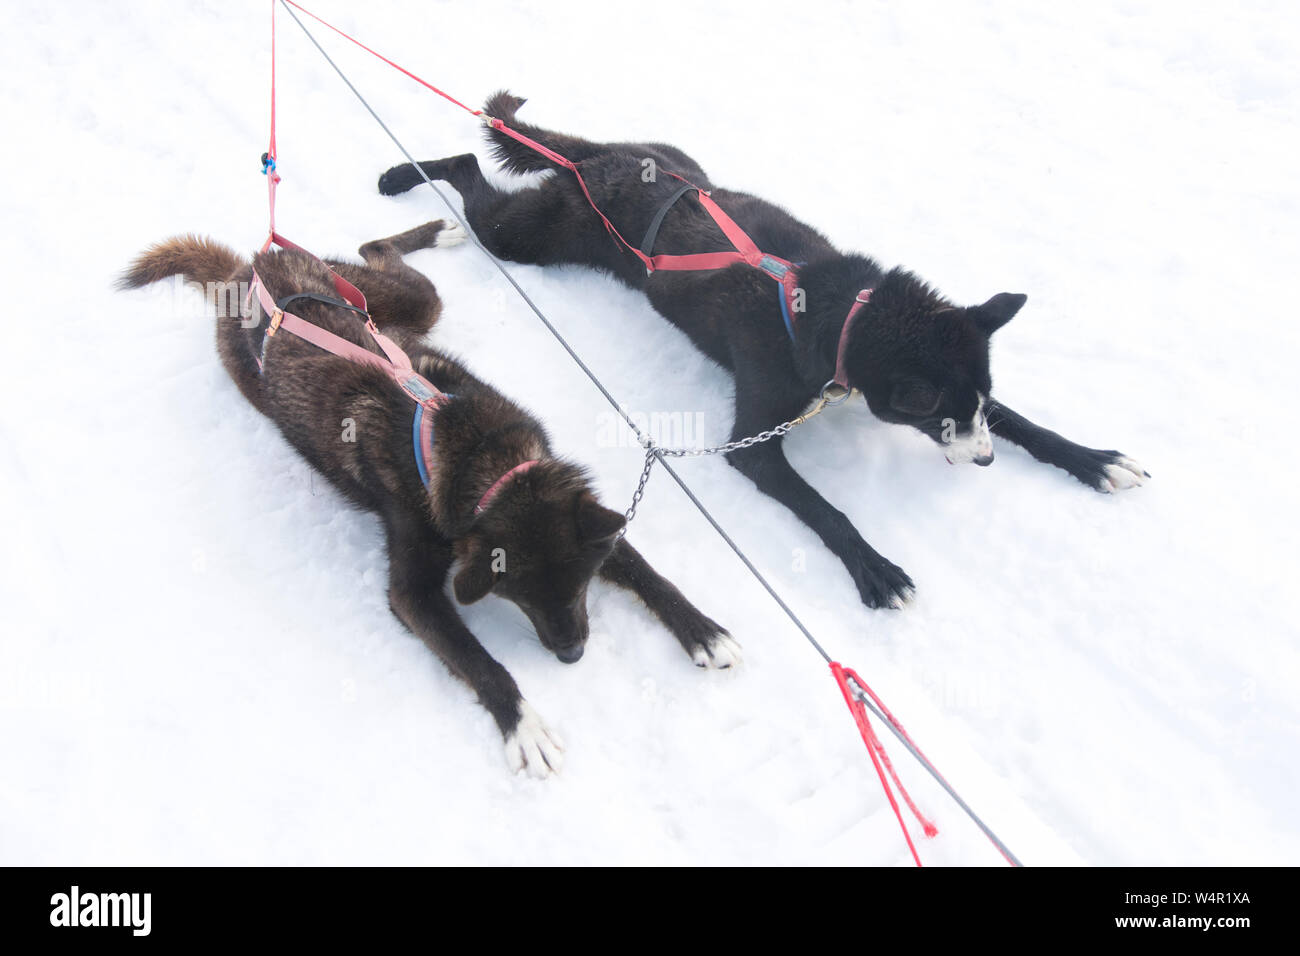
(998, 311)
(595, 521)
(914, 397)
(475, 578)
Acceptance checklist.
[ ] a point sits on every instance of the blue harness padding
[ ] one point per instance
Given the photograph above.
(416, 443)
(778, 270)
(785, 313)
(422, 438)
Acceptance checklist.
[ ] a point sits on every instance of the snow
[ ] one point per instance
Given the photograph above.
(198, 663)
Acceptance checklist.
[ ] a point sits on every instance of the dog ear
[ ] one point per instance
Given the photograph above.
(595, 521)
(475, 578)
(914, 397)
(998, 311)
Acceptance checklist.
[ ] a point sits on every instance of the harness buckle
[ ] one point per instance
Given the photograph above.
(276, 318)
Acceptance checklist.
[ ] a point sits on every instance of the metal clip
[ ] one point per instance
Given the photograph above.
(276, 317)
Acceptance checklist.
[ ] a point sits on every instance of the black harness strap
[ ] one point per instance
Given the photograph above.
(648, 243)
(284, 301)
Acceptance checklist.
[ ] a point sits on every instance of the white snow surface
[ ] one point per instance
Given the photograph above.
(198, 664)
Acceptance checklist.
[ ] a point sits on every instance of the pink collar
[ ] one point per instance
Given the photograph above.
(841, 372)
(500, 483)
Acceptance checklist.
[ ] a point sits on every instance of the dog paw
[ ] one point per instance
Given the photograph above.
(399, 179)
(1109, 472)
(720, 652)
(532, 746)
(452, 233)
(880, 583)
(1123, 473)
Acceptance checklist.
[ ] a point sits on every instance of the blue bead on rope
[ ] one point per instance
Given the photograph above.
(268, 163)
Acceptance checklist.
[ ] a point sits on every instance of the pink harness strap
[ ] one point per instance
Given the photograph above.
(396, 365)
(500, 483)
(395, 362)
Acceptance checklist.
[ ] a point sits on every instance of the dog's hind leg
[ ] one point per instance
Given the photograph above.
(533, 225)
(483, 201)
(419, 560)
(400, 297)
(706, 642)
(461, 171)
(386, 254)
(1106, 471)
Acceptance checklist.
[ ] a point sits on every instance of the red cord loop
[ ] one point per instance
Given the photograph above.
(879, 759)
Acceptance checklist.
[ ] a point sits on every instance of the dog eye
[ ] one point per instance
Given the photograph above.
(915, 398)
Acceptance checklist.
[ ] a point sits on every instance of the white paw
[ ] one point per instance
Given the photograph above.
(1123, 473)
(452, 233)
(722, 652)
(904, 598)
(533, 746)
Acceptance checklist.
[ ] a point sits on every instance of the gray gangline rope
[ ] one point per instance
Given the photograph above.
(658, 454)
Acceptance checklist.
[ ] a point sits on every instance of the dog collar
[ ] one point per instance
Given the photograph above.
(841, 370)
(500, 483)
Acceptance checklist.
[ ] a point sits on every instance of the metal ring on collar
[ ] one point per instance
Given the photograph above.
(833, 393)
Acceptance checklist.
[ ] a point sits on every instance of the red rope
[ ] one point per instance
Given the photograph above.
(876, 750)
(268, 167)
(270, 150)
(395, 66)
(710, 260)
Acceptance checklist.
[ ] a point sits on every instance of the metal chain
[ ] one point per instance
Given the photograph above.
(653, 451)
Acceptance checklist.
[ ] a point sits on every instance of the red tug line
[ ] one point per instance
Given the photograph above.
(855, 690)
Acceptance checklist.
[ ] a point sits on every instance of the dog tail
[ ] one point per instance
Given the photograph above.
(196, 258)
(513, 155)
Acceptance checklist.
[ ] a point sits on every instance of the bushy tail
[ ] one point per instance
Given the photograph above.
(518, 158)
(198, 259)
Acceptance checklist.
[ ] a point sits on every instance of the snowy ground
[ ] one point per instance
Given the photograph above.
(198, 664)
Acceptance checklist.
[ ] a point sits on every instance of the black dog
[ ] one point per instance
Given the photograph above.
(918, 359)
(536, 536)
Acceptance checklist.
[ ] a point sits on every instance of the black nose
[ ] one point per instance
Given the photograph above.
(569, 655)
(984, 461)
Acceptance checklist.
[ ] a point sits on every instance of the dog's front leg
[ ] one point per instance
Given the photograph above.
(880, 582)
(418, 563)
(706, 641)
(1106, 471)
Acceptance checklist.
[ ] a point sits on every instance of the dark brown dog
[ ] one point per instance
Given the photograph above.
(538, 542)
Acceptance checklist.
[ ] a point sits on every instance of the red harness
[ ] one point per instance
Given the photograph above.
(783, 271)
